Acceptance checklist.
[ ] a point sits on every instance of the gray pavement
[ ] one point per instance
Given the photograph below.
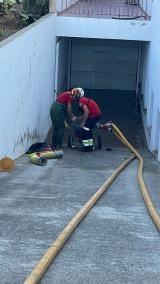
(115, 243)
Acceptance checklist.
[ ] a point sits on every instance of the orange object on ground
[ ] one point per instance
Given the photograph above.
(6, 164)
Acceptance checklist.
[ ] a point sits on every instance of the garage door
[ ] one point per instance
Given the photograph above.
(104, 64)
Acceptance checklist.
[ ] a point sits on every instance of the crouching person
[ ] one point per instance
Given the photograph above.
(91, 115)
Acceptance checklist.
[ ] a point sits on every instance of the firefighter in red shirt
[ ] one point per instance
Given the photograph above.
(60, 110)
(91, 115)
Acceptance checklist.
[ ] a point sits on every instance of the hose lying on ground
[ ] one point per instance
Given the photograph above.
(153, 213)
(51, 253)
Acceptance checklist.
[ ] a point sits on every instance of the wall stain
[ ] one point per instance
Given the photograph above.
(25, 138)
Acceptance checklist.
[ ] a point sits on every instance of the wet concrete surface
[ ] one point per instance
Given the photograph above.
(116, 242)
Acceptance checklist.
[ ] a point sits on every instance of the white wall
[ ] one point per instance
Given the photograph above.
(103, 28)
(104, 64)
(27, 73)
(151, 84)
(27, 62)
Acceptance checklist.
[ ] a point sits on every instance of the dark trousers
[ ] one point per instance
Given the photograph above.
(58, 115)
(86, 134)
(90, 123)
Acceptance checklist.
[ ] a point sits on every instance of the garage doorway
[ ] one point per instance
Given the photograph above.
(108, 72)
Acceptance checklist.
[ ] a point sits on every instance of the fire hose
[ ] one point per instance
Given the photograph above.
(56, 246)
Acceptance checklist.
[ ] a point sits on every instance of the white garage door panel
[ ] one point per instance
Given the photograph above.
(123, 82)
(102, 81)
(104, 64)
(125, 53)
(80, 59)
(82, 79)
(80, 65)
(123, 67)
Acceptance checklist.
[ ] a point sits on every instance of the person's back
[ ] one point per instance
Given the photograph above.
(64, 98)
(92, 106)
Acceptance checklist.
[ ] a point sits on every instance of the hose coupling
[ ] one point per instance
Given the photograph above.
(106, 127)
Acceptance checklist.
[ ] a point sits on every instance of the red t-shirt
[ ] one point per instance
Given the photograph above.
(93, 108)
(64, 98)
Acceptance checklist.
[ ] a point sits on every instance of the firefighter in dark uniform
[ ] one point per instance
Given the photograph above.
(60, 110)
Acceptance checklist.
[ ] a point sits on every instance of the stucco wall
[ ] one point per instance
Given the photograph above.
(151, 85)
(103, 28)
(27, 62)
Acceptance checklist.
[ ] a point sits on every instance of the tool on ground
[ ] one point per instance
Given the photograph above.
(57, 154)
(40, 152)
(37, 159)
(40, 158)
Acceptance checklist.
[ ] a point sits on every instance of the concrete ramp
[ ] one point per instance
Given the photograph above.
(121, 108)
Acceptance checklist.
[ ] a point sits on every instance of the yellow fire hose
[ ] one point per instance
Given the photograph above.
(51, 253)
(153, 213)
(53, 250)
